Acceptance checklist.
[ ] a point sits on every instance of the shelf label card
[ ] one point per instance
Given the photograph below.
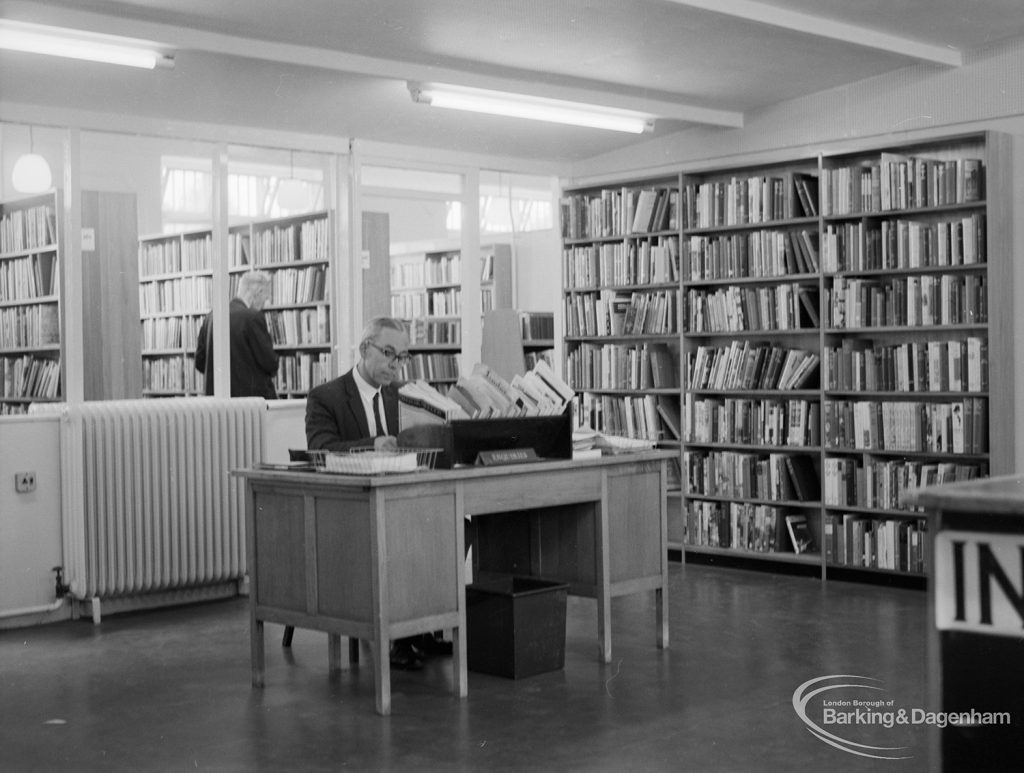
(979, 582)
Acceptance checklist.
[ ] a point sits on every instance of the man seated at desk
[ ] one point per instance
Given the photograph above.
(359, 409)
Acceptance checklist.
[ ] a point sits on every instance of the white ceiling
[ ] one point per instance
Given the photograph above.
(339, 67)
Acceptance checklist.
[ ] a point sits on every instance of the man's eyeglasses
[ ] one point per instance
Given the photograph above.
(392, 355)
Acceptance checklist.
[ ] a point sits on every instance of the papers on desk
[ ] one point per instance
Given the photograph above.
(285, 466)
(616, 444)
(583, 444)
(370, 462)
(587, 444)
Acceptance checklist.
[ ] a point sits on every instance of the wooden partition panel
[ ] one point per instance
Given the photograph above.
(634, 537)
(343, 567)
(422, 554)
(280, 551)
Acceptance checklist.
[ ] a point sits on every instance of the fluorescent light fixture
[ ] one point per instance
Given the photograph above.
(533, 108)
(76, 44)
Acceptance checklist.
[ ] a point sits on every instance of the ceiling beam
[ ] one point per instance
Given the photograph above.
(572, 90)
(763, 13)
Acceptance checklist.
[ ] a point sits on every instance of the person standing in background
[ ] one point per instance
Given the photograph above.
(253, 359)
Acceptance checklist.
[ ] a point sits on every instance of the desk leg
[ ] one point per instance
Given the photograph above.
(353, 650)
(381, 647)
(333, 653)
(660, 603)
(256, 646)
(604, 625)
(459, 662)
(604, 593)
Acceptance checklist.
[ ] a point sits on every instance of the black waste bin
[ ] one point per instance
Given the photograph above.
(515, 626)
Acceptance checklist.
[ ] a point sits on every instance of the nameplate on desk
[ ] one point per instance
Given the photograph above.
(506, 456)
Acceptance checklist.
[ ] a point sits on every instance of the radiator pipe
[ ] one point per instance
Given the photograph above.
(62, 590)
(51, 607)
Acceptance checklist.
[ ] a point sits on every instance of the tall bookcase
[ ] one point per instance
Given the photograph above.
(30, 302)
(175, 294)
(426, 291)
(620, 272)
(841, 340)
(751, 335)
(917, 380)
(296, 252)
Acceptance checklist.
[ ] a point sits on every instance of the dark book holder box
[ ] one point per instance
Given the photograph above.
(462, 440)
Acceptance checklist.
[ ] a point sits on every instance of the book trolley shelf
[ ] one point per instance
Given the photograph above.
(175, 294)
(30, 303)
(834, 332)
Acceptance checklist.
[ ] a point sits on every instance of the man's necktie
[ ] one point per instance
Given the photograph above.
(376, 414)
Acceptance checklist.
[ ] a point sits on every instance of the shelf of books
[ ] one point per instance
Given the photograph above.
(296, 252)
(838, 341)
(175, 294)
(915, 260)
(537, 337)
(30, 303)
(495, 277)
(426, 292)
(751, 332)
(621, 308)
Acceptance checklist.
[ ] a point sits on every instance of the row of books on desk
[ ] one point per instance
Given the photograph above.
(484, 394)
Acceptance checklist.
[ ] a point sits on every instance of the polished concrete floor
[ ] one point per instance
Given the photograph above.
(169, 690)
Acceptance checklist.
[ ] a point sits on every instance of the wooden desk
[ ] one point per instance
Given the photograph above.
(383, 557)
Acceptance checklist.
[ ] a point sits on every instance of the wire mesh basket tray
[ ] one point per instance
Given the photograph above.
(370, 461)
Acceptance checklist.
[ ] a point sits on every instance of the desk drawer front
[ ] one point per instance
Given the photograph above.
(526, 492)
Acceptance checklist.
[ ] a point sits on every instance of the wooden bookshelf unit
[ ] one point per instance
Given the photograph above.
(838, 346)
(30, 303)
(426, 292)
(175, 294)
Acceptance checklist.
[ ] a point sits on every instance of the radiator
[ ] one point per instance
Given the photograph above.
(149, 504)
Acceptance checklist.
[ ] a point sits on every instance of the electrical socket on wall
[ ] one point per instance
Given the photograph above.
(24, 482)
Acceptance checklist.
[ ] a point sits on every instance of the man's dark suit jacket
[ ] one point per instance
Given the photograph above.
(336, 420)
(253, 359)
